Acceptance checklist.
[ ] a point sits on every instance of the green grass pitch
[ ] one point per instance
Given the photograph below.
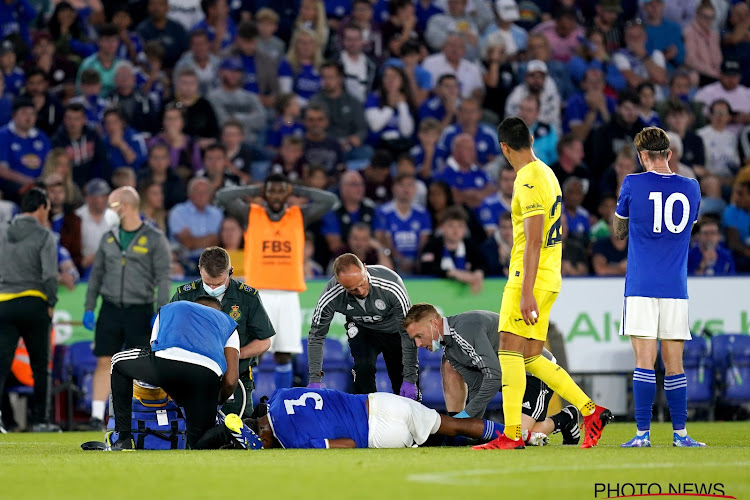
(52, 466)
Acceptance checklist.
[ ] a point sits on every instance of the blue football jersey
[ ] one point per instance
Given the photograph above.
(490, 210)
(485, 140)
(305, 418)
(661, 209)
(405, 231)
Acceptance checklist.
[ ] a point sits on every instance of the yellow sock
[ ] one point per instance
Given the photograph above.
(559, 381)
(514, 386)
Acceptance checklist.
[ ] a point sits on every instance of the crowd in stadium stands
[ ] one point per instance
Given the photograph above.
(391, 105)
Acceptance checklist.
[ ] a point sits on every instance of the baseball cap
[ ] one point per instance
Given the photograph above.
(535, 65)
(97, 187)
(730, 67)
(508, 10)
(232, 64)
(611, 5)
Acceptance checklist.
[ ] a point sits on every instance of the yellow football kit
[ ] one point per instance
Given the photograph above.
(536, 191)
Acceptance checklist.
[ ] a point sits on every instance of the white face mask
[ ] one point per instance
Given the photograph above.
(112, 218)
(435, 342)
(215, 292)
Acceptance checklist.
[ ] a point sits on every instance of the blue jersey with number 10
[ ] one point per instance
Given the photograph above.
(305, 418)
(661, 209)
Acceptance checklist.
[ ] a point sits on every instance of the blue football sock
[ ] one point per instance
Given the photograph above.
(283, 376)
(644, 391)
(675, 389)
(491, 430)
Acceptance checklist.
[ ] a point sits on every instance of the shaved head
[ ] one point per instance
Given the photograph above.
(126, 195)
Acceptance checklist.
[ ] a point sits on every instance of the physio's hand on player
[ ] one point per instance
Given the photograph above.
(315, 385)
(409, 390)
(529, 309)
(463, 414)
(89, 320)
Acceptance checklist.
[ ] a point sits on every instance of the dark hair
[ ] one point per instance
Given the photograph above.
(514, 132)
(566, 141)
(90, 76)
(207, 300)
(720, 101)
(214, 147)
(158, 145)
(317, 106)
(628, 95)
(405, 89)
(233, 123)
(446, 76)
(36, 197)
(395, 5)
(330, 63)
(108, 30)
(645, 85)
(215, 261)
(207, 4)
(114, 110)
(410, 47)
(198, 32)
(76, 30)
(275, 178)
(247, 31)
(76, 107)
(381, 158)
(36, 71)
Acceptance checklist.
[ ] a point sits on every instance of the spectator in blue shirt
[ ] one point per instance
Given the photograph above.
(6, 102)
(545, 137)
(389, 113)
(485, 138)
(194, 225)
(444, 104)
(709, 257)
(663, 35)
(91, 88)
(15, 18)
(424, 10)
(131, 44)
(429, 158)
(402, 226)
(125, 147)
(299, 70)
(170, 33)
(217, 24)
(470, 184)
(419, 79)
(14, 76)
(287, 122)
(736, 222)
(354, 207)
(647, 94)
(23, 149)
(577, 217)
(590, 108)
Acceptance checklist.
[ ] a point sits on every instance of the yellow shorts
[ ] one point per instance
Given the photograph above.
(512, 321)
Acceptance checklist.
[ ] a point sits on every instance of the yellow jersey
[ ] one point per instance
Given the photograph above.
(536, 191)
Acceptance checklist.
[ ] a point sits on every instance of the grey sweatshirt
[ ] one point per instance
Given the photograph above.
(346, 115)
(28, 258)
(321, 202)
(128, 277)
(240, 105)
(471, 344)
(383, 310)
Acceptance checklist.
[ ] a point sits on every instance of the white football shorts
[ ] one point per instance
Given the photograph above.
(655, 318)
(283, 309)
(397, 422)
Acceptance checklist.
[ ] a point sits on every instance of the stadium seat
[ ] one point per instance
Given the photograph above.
(429, 359)
(266, 364)
(336, 356)
(431, 384)
(496, 403)
(699, 371)
(338, 380)
(731, 355)
(382, 382)
(82, 364)
(264, 385)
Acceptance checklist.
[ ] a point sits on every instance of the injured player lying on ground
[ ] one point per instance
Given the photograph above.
(321, 418)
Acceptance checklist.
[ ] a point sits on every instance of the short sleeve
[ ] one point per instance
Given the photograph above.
(530, 197)
(697, 200)
(621, 62)
(330, 224)
(623, 202)
(372, 101)
(233, 341)
(285, 69)
(658, 57)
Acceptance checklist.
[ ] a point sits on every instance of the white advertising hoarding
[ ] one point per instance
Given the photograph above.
(588, 313)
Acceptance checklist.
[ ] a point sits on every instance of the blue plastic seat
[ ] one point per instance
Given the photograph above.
(699, 371)
(731, 356)
(431, 384)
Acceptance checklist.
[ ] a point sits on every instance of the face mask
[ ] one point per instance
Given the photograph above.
(435, 343)
(214, 292)
(112, 218)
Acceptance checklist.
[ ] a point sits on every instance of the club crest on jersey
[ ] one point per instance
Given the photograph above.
(187, 287)
(142, 241)
(352, 332)
(380, 304)
(235, 314)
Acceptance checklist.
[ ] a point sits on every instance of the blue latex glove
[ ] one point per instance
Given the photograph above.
(463, 414)
(409, 390)
(89, 320)
(315, 385)
(153, 319)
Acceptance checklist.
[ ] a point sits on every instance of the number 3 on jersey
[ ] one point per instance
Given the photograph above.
(554, 235)
(289, 404)
(665, 211)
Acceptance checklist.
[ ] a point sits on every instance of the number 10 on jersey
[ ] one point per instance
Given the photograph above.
(665, 211)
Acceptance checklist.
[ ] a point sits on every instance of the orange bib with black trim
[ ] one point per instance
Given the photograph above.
(274, 251)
